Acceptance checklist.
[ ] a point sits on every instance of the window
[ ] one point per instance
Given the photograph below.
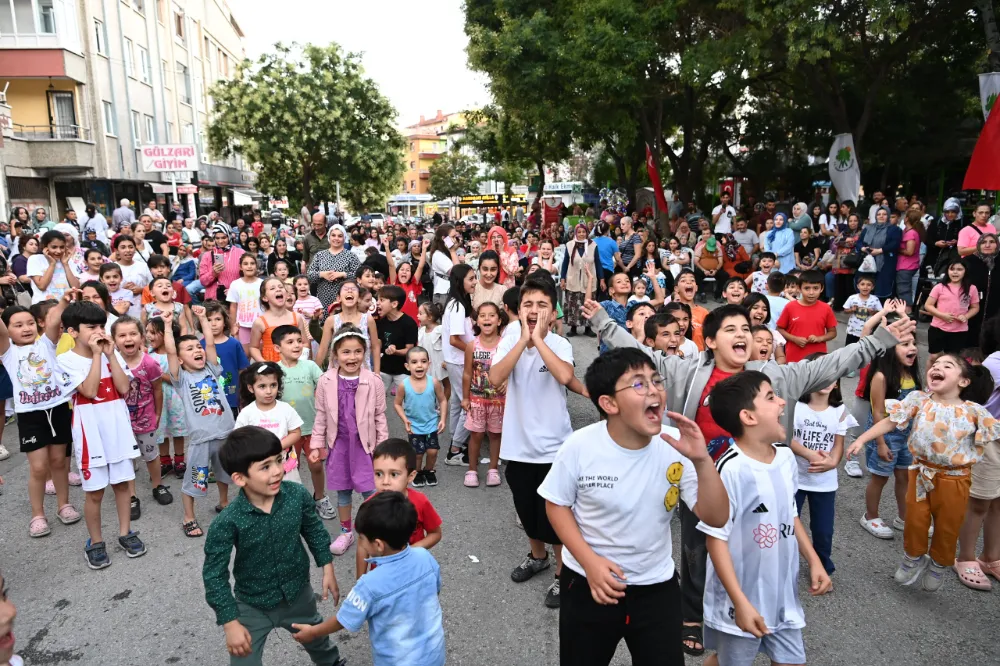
(163, 75)
(413, 184)
(225, 65)
(46, 17)
(136, 130)
(145, 69)
(187, 133)
(129, 58)
(179, 25)
(161, 15)
(411, 146)
(109, 119)
(184, 86)
(170, 133)
(150, 129)
(413, 165)
(205, 49)
(137, 5)
(99, 44)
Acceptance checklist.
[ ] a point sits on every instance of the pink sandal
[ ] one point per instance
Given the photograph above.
(990, 568)
(492, 478)
(972, 576)
(38, 527)
(68, 515)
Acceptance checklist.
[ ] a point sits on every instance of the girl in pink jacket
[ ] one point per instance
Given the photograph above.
(350, 420)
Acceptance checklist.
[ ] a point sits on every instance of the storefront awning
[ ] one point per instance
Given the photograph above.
(245, 197)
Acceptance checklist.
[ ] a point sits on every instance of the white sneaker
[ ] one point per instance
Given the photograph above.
(853, 469)
(4, 453)
(325, 509)
(876, 527)
(933, 576)
(910, 570)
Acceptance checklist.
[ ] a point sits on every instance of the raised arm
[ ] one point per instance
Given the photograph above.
(170, 346)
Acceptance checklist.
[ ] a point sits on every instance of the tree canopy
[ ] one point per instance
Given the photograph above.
(453, 175)
(307, 118)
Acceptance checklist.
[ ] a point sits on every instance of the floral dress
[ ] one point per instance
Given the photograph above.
(328, 290)
(172, 419)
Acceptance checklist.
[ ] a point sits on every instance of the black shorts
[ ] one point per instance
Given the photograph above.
(44, 427)
(524, 479)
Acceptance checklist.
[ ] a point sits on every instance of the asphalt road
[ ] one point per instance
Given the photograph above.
(152, 610)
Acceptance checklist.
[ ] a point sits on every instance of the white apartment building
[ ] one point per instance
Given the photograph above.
(87, 82)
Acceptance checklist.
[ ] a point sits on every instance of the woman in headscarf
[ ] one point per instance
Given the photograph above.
(329, 268)
(800, 218)
(980, 268)
(881, 241)
(580, 274)
(780, 240)
(498, 241)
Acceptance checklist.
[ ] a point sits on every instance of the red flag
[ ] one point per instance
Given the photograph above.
(654, 178)
(983, 172)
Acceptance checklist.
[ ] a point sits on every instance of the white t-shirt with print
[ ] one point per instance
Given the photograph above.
(688, 348)
(280, 419)
(246, 295)
(121, 296)
(758, 282)
(760, 534)
(535, 419)
(39, 383)
(622, 499)
(38, 264)
(866, 308)
(139, 275)
(726, 215)
(817, 431)
(455, 322)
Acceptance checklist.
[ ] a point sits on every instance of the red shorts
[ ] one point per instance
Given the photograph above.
(302, 446)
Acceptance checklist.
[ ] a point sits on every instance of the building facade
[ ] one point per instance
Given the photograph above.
(88, 82)
(424, 144)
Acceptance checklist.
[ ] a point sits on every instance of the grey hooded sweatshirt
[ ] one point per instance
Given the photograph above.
(685, 378)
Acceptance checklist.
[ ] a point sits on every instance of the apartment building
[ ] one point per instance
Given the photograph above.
(88, 82)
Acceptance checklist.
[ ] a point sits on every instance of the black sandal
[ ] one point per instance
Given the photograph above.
(219, 508)
(191, 527)
(691, 633)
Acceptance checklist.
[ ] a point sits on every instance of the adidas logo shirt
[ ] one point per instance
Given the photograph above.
(761, 537)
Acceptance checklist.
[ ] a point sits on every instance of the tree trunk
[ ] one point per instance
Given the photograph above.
(992, 34)
(541, 179)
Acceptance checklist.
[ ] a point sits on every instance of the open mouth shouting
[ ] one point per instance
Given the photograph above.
(740, 349)
(653, 414)
(934, 378)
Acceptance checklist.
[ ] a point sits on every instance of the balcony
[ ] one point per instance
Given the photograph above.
(424, 174)
(429, 156)
(39, 24)
(51, 149)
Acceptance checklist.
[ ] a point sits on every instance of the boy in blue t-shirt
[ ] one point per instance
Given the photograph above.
(229, 350)
(399, 597)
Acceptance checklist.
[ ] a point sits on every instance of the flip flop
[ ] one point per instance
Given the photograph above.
(972, 576)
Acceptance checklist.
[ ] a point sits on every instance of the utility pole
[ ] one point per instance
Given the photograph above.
(992, 32)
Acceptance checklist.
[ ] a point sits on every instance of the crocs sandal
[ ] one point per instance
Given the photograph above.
(990, 568)
(192, 527)
(492, 478)
(39, 527)
(972, 576)
(68, 515)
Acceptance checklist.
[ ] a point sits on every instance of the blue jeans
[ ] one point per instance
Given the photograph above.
(830, 279)
(821, 505)
(194, 289)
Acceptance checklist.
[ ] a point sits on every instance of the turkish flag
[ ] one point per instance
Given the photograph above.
(654, 178)
(984, 167)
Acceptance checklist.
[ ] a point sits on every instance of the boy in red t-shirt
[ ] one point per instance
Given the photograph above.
(395, 463)
(807, 324)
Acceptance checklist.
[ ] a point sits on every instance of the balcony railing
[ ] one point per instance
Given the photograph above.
(51, 132)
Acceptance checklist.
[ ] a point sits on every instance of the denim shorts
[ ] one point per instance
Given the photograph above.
(901, 456)
(784, 646)
(421, 443)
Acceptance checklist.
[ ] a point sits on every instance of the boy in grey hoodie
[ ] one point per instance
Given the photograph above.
(726, 332)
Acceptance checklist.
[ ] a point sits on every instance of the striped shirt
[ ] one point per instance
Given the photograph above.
(761, 538)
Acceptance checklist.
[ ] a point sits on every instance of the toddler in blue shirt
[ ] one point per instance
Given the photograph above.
(399, 597)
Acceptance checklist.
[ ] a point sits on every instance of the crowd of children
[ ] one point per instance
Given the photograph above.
(732, 419)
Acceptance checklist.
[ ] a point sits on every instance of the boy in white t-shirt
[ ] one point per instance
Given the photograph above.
(757, 281)
(103, 441)
(861, 306)
(610, 496)
(135, 274)
(751, 601)
(537, 366)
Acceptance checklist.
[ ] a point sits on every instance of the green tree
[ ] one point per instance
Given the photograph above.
(307, 118)
(452, 175)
